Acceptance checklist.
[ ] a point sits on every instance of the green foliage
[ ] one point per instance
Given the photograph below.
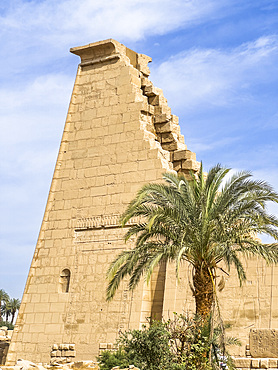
(8, 306)
(7, 323)
(110, 359)
(189, 341)
(147, 349)
(183, 343)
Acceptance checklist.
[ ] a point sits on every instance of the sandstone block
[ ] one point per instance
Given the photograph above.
(264, 363)
(255, 363)
(168, 137)
(263, 343)
(171, 146)
(242, 362)
(189, 164)
(175, 119)
(184, 154)
(161, 118)
(273, 363)
(150, 91)
(145, 81)
(154, 100)
(164, 127)
(142, 64)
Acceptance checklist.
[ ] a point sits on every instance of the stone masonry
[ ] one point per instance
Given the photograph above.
(119, 134)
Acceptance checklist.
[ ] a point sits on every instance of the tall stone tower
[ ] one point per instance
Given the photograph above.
(119, 134)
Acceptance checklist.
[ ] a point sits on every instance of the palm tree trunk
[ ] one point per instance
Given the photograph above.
(13, 315)
(203, 286)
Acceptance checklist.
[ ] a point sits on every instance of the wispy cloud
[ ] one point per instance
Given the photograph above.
(42, 29)
(217, 77)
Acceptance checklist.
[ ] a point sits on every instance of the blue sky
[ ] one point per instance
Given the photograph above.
(216, 61)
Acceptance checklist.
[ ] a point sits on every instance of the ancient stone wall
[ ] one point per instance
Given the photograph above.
(5, 339)
(119, 134)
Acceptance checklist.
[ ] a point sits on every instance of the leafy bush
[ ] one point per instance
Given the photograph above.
(147, 349)
(184, 343)
(110, 359)
(7, 323)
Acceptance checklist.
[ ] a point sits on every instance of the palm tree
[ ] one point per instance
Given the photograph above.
(14, 305)
(4, 298)
(205, 221)
(6, 310)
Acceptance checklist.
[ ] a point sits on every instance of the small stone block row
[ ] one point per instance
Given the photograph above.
(107, 346)
(63, 350)
(255, 363)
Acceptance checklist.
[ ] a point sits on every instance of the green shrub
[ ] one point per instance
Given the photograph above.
(8, 324)
(183, 343)
(110, 359)
(147, 349)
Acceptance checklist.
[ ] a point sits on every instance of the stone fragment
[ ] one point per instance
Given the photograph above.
(28, 365)
(171, 146)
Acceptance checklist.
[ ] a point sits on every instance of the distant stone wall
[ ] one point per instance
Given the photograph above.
(5, 339)
(244, 363)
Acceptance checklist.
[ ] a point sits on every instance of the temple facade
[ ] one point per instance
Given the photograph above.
(119, 134)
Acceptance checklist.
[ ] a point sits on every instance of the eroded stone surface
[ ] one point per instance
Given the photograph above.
(264, 342)
(119, 134)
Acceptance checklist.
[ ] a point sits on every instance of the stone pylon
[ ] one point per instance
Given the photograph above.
(119, 134)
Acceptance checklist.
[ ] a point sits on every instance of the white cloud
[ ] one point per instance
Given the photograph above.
(34, 111)
(50, 26)
(217, 77)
